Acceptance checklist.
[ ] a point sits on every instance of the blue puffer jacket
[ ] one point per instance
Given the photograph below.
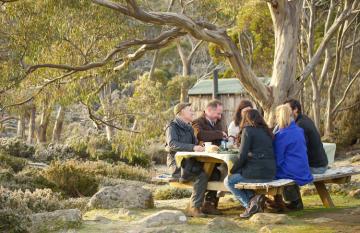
(291, 157)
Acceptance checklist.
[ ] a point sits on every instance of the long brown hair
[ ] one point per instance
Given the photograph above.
(244, 103)
(253, 118)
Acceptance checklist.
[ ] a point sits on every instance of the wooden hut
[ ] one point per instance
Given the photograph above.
(228, 91)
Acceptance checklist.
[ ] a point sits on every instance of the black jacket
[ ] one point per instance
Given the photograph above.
(256, 156)
(315, 150)
(179, 137)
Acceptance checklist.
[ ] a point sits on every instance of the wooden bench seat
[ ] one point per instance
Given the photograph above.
(339, 175)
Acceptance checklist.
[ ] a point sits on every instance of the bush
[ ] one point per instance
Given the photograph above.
(53, 151)
(16, 164)
(119, 170)
(32, 179)
(168, 192)
(99, 148)
(156, 152)
(75, 180)
(16, 147)
(79, 146)
(15, 206)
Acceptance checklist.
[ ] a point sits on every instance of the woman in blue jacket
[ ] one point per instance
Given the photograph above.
(290, 149)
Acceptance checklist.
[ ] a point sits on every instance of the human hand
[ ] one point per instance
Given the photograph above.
(199, 148)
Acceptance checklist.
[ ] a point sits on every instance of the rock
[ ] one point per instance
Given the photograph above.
(164, 217)
(320, 220)
(122, 196)
(266, 229)
(355, 158)
(53, 151)
(355, 211)
(126, 212)
(164, 229)
(222, 223)
(355, 193)
(269, 218)
(51, 221)
(101, 218)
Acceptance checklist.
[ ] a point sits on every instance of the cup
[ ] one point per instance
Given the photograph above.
(207, 144)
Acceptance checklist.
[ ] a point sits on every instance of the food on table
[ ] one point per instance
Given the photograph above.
(212, 149)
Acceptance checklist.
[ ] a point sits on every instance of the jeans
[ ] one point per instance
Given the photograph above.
(318, 170)
(243, 195)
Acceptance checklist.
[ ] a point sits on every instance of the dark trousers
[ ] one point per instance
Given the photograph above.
(199, 189)
(211, 195)
(292, 193)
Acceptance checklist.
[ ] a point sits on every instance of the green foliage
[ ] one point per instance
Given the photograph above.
(15, 206)
(173, 89)
(99, 148)
(16, 164)
(16, 147)
(168, 192)
(73, 179)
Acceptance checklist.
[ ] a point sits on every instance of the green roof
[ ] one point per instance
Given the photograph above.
(226, 86)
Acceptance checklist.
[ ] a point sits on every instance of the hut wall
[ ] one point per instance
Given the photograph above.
(230, 102)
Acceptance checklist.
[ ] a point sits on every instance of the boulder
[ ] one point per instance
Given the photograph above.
(355, 193)
(51, 221)
(163, 218)
(355, 211)
(321, 220)
(266, 229)
(122, 196)
(355, 158)
(269, 218)
(126, 212)
(220, 224)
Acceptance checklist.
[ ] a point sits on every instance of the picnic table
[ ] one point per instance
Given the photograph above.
(339, 175)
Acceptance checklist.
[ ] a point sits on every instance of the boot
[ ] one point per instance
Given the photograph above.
(277, 205)
(259, 200)
(252, 209)
(195, 212)
(210, 208)
(295, 205)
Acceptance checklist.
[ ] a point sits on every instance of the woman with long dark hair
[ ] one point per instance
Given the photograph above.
(234, 127)
(256, 161)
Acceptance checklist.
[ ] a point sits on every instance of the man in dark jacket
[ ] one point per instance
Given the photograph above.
(180, 137)
(208, 128)
(318, 161)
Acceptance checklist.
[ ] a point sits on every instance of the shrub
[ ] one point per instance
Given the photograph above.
(32, 179)
(76, 203)
(75, 180)
(15, 206)
(168, 192)
(16, 164)
(53, 151)
(99, 148)
(156, 152)
(16, 147)
(79, 146)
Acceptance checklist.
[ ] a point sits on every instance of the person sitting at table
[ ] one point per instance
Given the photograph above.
(255, 163)
(234, 134)
(180, 137)
(317, 158)
(208, 128)
(291, 156)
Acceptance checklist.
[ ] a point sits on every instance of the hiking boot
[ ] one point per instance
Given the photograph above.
(277, 205)
(195, 212)
(250, 211)
(259, 200)
(210, 208)
(295, 205)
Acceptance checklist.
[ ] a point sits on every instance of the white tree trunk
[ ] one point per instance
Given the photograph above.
(285, 15)
(21, 126)
(31, 134)
(58, 125)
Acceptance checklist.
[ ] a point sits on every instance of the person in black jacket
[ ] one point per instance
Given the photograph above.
(180, 137)
(318, 161)
(256, 161)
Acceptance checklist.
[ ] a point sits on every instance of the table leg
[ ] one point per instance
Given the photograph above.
(208, 168)
(324, 194)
